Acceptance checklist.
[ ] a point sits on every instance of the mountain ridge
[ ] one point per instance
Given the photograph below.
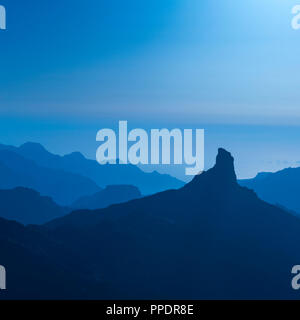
(27, 206)
(148, 183)
(64, 187)
(278, 188)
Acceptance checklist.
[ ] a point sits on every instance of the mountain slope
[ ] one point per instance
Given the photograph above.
(281, 187)
(212, 239)
(103, 175)
(40, 268)
(63, 187)
(108, 196)
(28, 206)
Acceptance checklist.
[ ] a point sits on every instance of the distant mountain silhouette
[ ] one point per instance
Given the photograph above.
(105, 175)
(211, 239)
(64, 187)
(108, 196)
(28, 206)
(280, 188)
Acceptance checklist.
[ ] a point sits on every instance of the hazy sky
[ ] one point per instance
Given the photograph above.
(232, 67)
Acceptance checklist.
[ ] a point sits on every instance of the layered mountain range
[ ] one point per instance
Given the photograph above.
(74, 169)
(211, 239)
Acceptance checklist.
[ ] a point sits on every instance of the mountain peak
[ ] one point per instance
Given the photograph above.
(222, 173)
(224, 160)
(32, 146)
(75, 155)
(224, 167)
(33, 149)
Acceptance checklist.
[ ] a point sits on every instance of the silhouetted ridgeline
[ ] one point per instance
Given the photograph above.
(64, 187)
(281, 187)
(103, 176)
(28, 206)
(210, 239)
(108, 196)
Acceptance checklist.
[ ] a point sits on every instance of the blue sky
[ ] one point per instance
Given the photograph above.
(71, 68)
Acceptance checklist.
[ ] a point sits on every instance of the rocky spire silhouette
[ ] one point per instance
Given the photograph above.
(221, 175)
(224, 167)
